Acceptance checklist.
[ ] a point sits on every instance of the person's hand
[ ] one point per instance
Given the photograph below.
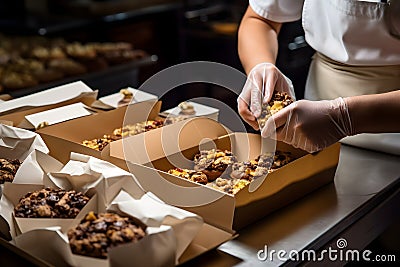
(310, 125)
(262, 80)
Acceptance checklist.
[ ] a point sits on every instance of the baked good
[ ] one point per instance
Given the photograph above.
(137, 128)
(78, 51)
(44, 53)
(260, 166)
(97, 233)
(186, 108)
(8, 169)
(47, 75)
(213, 162)
(172, 119)
(123, 56)
(127, 97)
(279, 100)
(13, 80)
(192, 175)
(51, 203)
(128, 130)
(281, 158)
(103, 48)
(67, 66)
(99, 143)
(228, 185)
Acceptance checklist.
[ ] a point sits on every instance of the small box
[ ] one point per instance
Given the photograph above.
(199, 111)
(67, 137)
(175, 145)
(15, 110)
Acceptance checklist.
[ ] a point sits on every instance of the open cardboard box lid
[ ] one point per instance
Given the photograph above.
(175, 145)
(15, 110)
(67, 137)
(113, 101)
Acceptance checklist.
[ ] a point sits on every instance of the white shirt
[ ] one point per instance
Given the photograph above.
(348, 31)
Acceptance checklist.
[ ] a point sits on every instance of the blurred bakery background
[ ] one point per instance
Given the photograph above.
(111, 44)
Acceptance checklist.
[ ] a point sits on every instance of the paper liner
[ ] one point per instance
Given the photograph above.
(155, 249)
(170, 230)
(18, 143)
(14, 192)
(153, 212)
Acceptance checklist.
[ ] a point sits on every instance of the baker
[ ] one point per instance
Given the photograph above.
(357, 46)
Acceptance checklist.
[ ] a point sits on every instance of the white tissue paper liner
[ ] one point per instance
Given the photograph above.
(120, 189)
(153, 212)
(155, 249)
(18, 143)
(13, 192)
(83, 172)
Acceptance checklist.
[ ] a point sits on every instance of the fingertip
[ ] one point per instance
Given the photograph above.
(269, 128)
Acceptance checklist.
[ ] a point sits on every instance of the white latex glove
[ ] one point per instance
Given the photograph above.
(262, 80)
(310, 125)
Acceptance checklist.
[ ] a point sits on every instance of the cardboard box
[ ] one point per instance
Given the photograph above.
(207, 238)
(15, 110)
(176, 145)
(67, 137)
(117, 100)
(200, 111)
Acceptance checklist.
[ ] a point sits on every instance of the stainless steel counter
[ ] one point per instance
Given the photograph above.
(358, 206)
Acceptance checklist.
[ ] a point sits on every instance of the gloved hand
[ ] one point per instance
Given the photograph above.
(262, 80)
(310, 125)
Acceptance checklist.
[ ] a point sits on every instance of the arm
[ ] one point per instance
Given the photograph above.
(375, 113)
(314, 125)
(258, 43)
(258, 40)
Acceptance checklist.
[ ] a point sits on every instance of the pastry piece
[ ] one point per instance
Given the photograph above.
(254, 168)
(192, 175)
(67, 66)
(172, 119)
(93, 64)
(127, 97)
(13, 80)
(79, 51)
(213, 162)
(279, 100)
(281, 158)
(47, 75)
(186, 108)
(44, 54)
(51, 203)
(97, 233)
(8, 169)
(99, 143)
(25, 66)
(119, 57)
(137, 128)
(103, 48)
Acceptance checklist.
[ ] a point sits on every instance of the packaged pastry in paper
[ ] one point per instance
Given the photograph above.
(16, 146)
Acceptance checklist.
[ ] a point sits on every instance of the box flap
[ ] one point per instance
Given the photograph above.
(57, 115)
(188, 195)
(67, 137)
(48, 97)
(199, 109)
(116, 100)
(167, 140)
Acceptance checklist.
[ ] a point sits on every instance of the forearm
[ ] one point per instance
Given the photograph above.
(376, 113)
(258, 40)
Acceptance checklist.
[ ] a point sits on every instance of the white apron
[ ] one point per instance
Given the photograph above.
(328, 79)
